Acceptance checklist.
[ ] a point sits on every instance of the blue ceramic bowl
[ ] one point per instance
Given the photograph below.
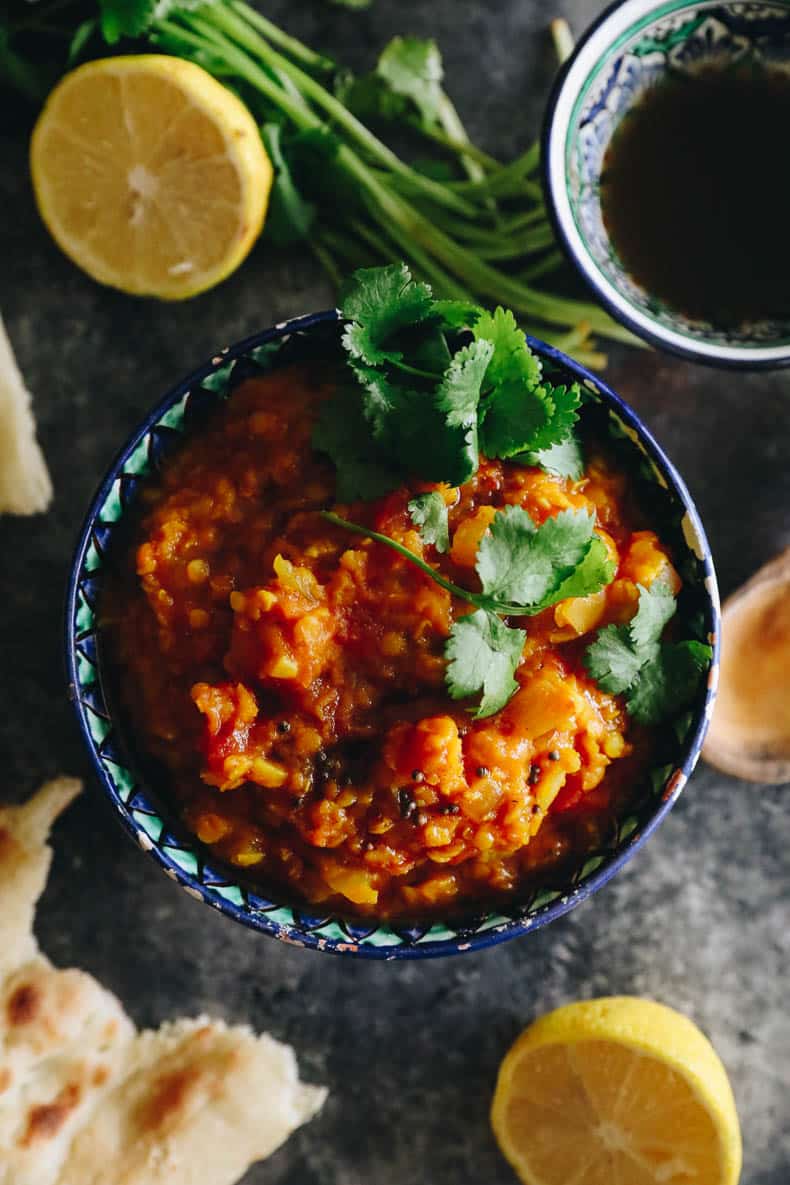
(155, 826)
(632, 47)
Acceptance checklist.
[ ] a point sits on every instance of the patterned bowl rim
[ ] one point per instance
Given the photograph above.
(404, 943)
(618, 22)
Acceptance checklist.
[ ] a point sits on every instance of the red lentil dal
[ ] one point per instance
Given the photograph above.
(291, 678)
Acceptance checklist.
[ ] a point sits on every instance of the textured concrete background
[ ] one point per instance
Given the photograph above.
(410, 1051)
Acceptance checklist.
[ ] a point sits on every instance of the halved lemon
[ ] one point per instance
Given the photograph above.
(150, 174)
(616, 1091)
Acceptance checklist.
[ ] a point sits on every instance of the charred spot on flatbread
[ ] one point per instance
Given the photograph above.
(24, 1004)
(45, 1121)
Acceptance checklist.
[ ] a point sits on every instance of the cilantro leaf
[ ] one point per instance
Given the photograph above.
(519, 562)
(512, 417)
(519, 420)
(596, 570)
(428, 349)
(612, 660)
(413, 68)
(656, 606)
(459, 390)
(657, 678)
(621, 651)
(341, 433)
(290, 217)
(384, 403)
(519, 414)
(457, 314)
(482, 656)
(433, 449)
(437, 430)
(429, 513)
(379, 302)
(513, 358)
(369, 98)
(562, 460)
(563, 403)
(408, 423)
(669, 682)
(125, 18)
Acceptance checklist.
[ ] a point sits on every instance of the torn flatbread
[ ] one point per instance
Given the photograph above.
(24, 866)
(84, 1099)
(197, 1105)
(25, 487)
(63, 1041)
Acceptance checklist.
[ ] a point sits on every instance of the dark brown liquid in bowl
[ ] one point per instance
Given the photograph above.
(695, 194)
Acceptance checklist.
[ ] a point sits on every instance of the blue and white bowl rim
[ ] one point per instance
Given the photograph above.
(410, 947)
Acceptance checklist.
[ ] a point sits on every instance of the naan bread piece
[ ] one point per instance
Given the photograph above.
(24, 865)
(84, 1100)
(197, 1104)
(63, 1041)
(25, 487)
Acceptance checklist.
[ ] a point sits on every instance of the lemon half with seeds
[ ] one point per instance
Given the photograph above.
(616, 1091)
(150, 174)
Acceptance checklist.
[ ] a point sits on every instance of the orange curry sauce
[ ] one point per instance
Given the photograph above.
(291, 675)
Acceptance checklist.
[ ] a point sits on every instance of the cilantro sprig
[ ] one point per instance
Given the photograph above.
(523, 569)
(656, 678)
(434, 397)
(482, 657)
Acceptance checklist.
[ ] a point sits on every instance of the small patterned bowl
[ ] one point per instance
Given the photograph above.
(629, 49)
(154, 825)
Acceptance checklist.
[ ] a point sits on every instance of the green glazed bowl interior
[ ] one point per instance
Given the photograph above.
(629, 50)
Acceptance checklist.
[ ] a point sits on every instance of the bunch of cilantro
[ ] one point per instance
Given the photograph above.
(432, 384)
(475, 228)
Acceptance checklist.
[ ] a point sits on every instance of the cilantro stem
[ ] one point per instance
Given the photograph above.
(549, 263)
(229, 22)
(472, 160)
(291, 45)
(494, 237)
(474, 271)
(517, 170)
(519, 221)
(327, 261)
(461, 147)
(352, 251)
(493, 186)
(534, 240)
(22, 75)
(244, 67)
(415, 370)
(503, 608)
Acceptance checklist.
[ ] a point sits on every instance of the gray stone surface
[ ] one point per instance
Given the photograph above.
(410, 1051)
